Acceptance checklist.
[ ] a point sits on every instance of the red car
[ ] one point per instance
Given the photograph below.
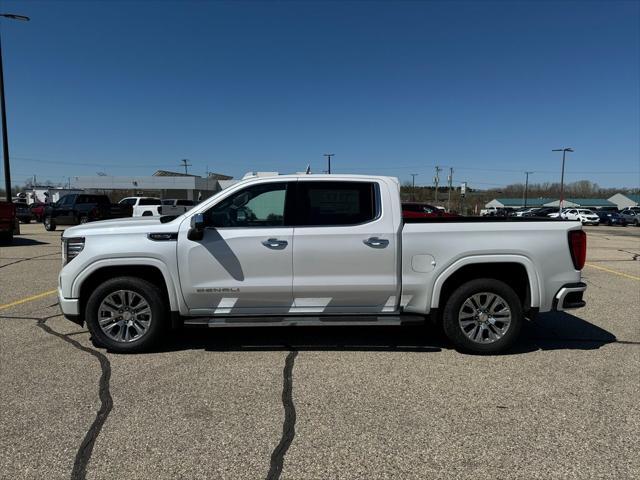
(423, 210)
(7, 221)
(37, 211)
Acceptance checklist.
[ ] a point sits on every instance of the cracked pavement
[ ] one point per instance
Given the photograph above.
(316, 403)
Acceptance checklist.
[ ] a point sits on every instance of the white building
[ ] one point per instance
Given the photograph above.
(626, 200)
(162, 184)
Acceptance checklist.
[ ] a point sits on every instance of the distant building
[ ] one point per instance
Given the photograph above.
(582, 202)
(44, 194)
(550, 202)
(517, 202)
(162, 183)
(626, 200)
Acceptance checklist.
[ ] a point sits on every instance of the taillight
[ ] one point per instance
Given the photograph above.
(578, 248)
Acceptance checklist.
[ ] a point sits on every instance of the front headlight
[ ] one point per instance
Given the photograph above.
(71, 247)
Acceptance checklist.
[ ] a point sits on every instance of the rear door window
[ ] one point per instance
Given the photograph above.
(335, 203)
(150, 201)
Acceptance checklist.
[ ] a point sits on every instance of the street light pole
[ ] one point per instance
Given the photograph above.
(328, 155)
(5, 139)
(526, 187)
(413, 186)
(564, 152)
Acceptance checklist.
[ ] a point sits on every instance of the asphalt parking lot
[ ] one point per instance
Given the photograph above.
(311, 403)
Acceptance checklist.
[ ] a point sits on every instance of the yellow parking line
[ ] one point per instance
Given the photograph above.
(27, 299)
(615, 272)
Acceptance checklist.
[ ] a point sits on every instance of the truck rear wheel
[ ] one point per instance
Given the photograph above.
(126, 314)
(483, 316)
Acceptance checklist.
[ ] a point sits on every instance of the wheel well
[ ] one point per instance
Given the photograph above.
(513, 274)
(146, 272)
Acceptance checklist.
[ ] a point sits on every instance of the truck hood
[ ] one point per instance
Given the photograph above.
(120, 225)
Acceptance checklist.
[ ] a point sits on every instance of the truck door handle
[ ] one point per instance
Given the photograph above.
(275, 244)
(375, 242)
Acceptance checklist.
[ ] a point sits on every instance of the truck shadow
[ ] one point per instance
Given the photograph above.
(19, 241)
(552, 331)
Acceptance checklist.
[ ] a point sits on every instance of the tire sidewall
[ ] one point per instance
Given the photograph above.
(452, 308)
(49, 224)
(150, 292)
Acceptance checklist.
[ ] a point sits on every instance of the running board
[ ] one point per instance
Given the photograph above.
(310, 321)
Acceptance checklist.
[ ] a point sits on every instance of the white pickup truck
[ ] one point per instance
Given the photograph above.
(143, 206)
(317, 249)
(175, 206)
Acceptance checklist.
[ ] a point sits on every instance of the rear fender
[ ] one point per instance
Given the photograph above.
(534, 281)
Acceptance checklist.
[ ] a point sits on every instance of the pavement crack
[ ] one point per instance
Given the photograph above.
(83, 455)
(30, 258)
(289, 424)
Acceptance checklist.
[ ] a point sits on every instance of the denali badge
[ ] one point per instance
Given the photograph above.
(218, 290)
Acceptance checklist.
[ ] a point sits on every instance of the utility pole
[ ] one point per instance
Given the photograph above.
(185, 164)
(413, 185)
(436, 180)
(526, 187)
(5, 139)
(564, 152)
(450, 185)
(328, 155)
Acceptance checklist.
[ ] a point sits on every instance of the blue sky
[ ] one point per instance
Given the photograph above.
(390, 88)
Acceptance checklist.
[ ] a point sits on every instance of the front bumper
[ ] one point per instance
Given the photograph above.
(70, 308)
(570, 296)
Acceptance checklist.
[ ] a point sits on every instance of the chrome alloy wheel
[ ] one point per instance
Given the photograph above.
(484, 317)
(124, 316)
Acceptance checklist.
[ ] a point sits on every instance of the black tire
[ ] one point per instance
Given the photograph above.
(637, 223)
(453, 330)
(83, 219)
(49, 224)
(26, 220)
(150, 293)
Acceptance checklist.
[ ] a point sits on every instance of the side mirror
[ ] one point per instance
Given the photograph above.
(196, 232)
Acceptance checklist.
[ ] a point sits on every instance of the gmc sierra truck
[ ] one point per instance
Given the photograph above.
(317, 250)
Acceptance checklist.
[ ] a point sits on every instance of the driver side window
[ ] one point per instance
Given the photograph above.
(256, 206)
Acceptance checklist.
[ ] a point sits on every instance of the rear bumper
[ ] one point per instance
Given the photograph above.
(70, 308)
(570, 296)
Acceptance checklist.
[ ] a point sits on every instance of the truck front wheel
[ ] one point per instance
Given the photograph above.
(126, 314)
(483, 316)
(49, 224)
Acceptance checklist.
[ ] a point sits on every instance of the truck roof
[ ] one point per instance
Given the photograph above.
(319, 176)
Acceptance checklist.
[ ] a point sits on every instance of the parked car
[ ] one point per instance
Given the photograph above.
(7, 221)
(523, 212)
(143, 206)
(175, 206)
(587, 217)
(37, 211)
(317, 250)
(489, 211)
(423, 210)
(611, 218)
(76, 208)
(631, 216)
(23, 212)
(542, 212)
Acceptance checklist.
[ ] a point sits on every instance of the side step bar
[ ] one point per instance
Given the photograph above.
(311, 321)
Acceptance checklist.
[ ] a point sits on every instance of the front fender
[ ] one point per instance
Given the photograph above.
(129, 262)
